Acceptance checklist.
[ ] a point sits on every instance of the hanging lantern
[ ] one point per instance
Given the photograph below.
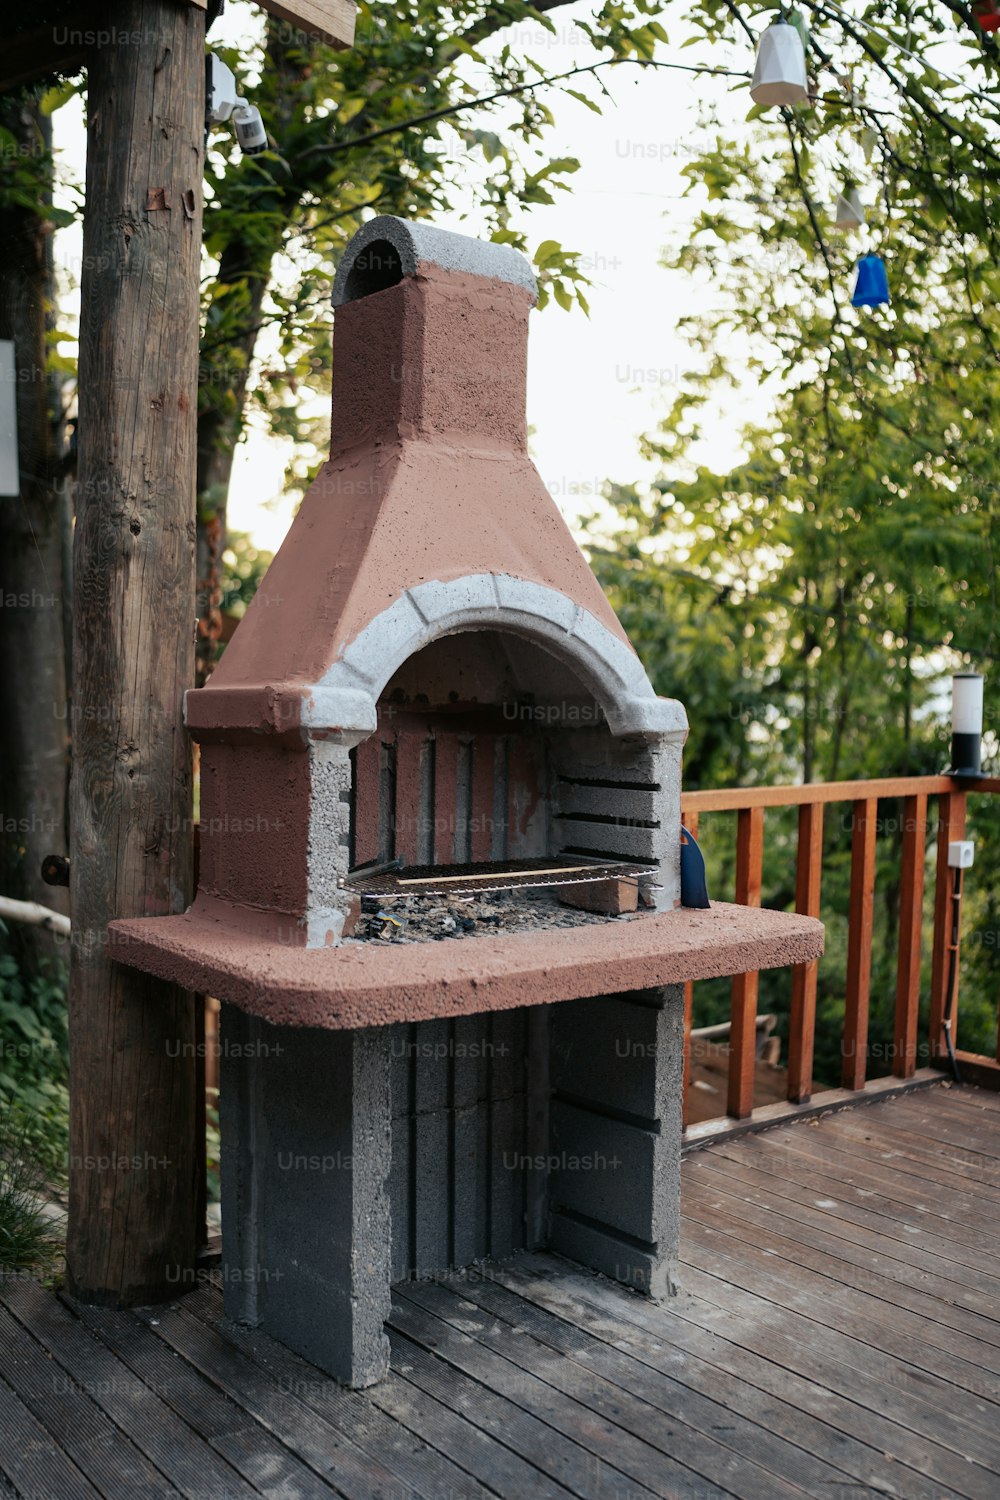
(779, 76)
(849, 212)
(987, 13)
(871, 287)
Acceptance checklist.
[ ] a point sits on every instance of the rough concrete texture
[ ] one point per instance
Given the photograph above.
(460, 1120)
(596, 656)
(329, 842)
(421, 246)
(305, 1120)
(617, 1070)
(429, 480)
(224, 952)
(254, 825)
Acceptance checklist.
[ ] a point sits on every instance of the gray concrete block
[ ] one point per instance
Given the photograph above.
(306, 1205)
(604, 1169)
(622, 839)
(643, 1269)
(470, 1239)
(627, 1217)
(604, 1051)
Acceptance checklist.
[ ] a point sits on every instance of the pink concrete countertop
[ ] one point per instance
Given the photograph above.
(358, 985)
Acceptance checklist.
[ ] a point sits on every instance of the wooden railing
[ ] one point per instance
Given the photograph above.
(750, 805)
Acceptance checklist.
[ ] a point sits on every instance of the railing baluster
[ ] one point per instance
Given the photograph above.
(859, 943)
(691, 824)
(743, 1032)
(802, 1022)
(951, 825)
(911, 913)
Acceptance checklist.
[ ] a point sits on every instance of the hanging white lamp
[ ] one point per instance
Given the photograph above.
(779, 76)
(849, 212)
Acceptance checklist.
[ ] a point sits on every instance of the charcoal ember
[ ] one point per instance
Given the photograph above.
(433, 919)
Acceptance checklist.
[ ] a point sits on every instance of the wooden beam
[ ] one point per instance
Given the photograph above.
(133, 1116)
(63, 45)
(743, 1036)
(329, 21)
(859, 943)
(802, 1020)
(731, 799)
(911, 925)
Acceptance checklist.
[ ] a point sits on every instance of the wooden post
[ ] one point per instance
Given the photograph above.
(133, 1162)
(911, 926)
(859, 942)
(802, 1020)
(743, 1029)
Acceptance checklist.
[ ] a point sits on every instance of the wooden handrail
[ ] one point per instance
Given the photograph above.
(750, 803)
(732, 799)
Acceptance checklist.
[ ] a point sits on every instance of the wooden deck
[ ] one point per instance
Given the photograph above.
(838, 1334)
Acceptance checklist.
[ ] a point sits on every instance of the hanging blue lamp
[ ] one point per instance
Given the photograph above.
(871, 287)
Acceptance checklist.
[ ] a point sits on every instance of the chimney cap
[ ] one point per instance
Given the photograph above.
(413, 243)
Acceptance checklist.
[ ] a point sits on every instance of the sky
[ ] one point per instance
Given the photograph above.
(594, 383)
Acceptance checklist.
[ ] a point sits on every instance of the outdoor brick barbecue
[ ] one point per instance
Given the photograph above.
(431, 674)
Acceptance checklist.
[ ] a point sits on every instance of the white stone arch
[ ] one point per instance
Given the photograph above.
(346, 696)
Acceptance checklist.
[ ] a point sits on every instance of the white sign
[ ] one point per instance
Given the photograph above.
(10, 483)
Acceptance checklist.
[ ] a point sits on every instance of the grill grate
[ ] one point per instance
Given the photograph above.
(499, 875)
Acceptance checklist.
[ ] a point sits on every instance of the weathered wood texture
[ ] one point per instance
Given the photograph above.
(742, 1037)
(33, 760)
(951, 826)
(133, 1148)
(802, 1021)
(911, 926)
(835, 1334)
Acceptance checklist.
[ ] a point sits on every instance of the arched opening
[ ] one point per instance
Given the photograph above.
(375, 267)
(491, 748)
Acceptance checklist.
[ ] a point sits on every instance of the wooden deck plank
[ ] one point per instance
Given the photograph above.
(977, 1098)
(888, 1386)
(837, 1332)
(263, 1462)
(639, 1468)
(925, 1296)
(956, 1215)
(805, 1191)
(772, 1459)
(895, 1143)
(861, 1439)
(30, 1459)
(981, 1293)
(555, 1456)
(788, 1168)
(976, 1105)
(348, 1470)
(974, 1131)
(968, 1133)
(500, 1470)
(417, 1466)
(73, 1418)
(870, 1320)
(132, 1404)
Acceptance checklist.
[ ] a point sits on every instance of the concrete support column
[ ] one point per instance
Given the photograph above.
(617, 1069)
(305, 1120)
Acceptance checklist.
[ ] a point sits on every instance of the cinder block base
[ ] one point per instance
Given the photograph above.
(617, 1071)
(354, 1158)
(305, 1124)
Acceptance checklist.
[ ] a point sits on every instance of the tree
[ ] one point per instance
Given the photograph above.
(806, 604)
(33, 737)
